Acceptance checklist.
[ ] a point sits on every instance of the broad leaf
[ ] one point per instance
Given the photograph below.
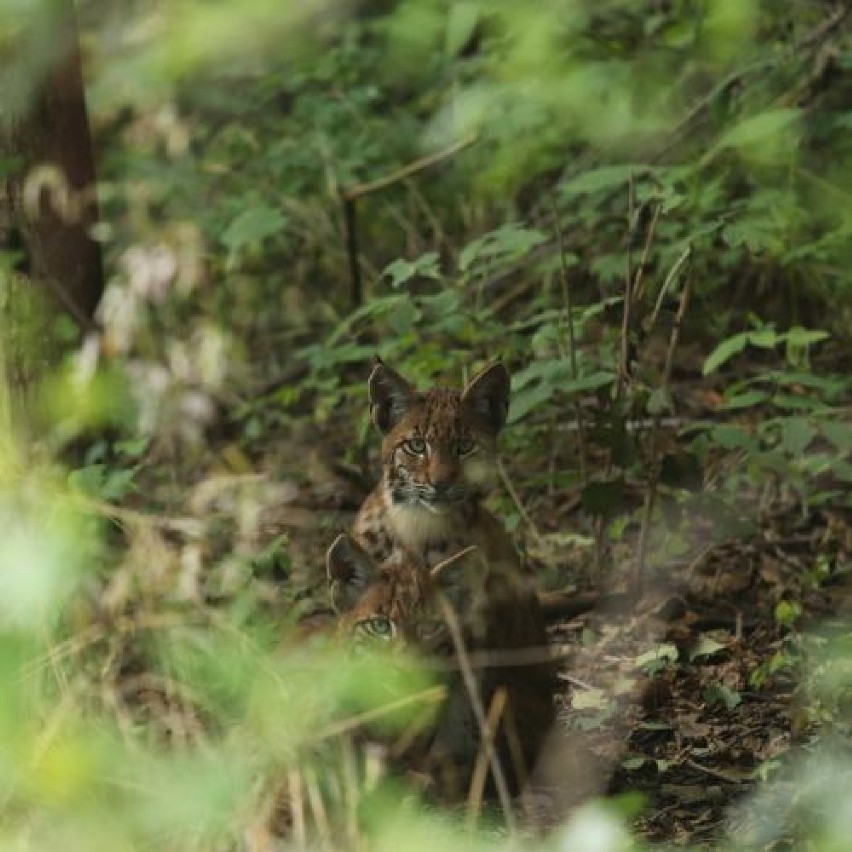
(253, 225)
(724, 352)
(797, 434)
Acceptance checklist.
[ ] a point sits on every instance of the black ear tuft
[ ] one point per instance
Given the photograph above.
(390, 396)
(487, 396)
(350, 571)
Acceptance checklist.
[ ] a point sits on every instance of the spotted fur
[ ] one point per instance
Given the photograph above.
(439, 451)
(398, 602)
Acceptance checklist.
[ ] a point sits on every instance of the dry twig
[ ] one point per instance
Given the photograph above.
(653, 478)
(480, 770)
(470, 684)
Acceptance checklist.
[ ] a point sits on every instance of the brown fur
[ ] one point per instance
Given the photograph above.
(429, 503)
(398, 601)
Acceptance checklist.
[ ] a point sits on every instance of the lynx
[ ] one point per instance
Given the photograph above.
(399, 602)
(438, 462)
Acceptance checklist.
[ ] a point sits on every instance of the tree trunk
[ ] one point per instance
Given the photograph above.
(47, 205)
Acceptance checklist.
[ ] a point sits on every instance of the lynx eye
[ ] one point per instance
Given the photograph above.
(378, 627)
(429, 629)
(415, 447)
(466, 446)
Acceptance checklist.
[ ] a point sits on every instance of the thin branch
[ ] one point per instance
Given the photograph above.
(317, 807)
(350, 223)
(624, 366)
(820, 32)
(470, 684)
(297, 806)
(434, 694)
(638, 290)
(350, 789)
(480, 770)
(667, 283)
(362, 189)
(654, 476)
(349, 199)
(572, 342)
(81, 318)
(715, 773)
(516, 499)
(574, 681)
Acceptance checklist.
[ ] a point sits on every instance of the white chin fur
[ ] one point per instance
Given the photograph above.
(431, 507)
(417, 526)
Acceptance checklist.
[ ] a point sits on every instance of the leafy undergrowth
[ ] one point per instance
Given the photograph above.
(641, 207)
(698, 689)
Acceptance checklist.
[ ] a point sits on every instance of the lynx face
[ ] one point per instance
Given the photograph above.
(394, 604)
(399, 604)
(438, 452)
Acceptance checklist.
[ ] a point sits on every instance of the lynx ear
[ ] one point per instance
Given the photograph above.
(390, 396)
(487, 396)
(350, 571)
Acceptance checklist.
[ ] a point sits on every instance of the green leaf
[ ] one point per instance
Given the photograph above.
(252, 225)
(718, 693)
(830, 386)
(732, 437)
(799, 340)
(795, 402)
(604, 178)
(509, 243)
(787, 612)
(599, 379)
(798, 336)
(706, 647)
(797, 434)
(840, 434)
(763, 130)
(401, 271)
(724, 352)
(755, 234)
(609, 267)
(745, 400)
(842, 470)
(133, 447)
(659, 401)
(528, 399)
(97, 480)
(766, 338)
(549, 371)
(403, 317)
(658, 657)
(462, 19)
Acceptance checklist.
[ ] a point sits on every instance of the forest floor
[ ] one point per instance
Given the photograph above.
(694, 692)
(689, 694)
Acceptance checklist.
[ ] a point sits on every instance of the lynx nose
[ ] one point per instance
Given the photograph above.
(443, 481)
(443, 477)
(441, 489)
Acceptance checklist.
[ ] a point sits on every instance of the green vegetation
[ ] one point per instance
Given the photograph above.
(641, 206)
